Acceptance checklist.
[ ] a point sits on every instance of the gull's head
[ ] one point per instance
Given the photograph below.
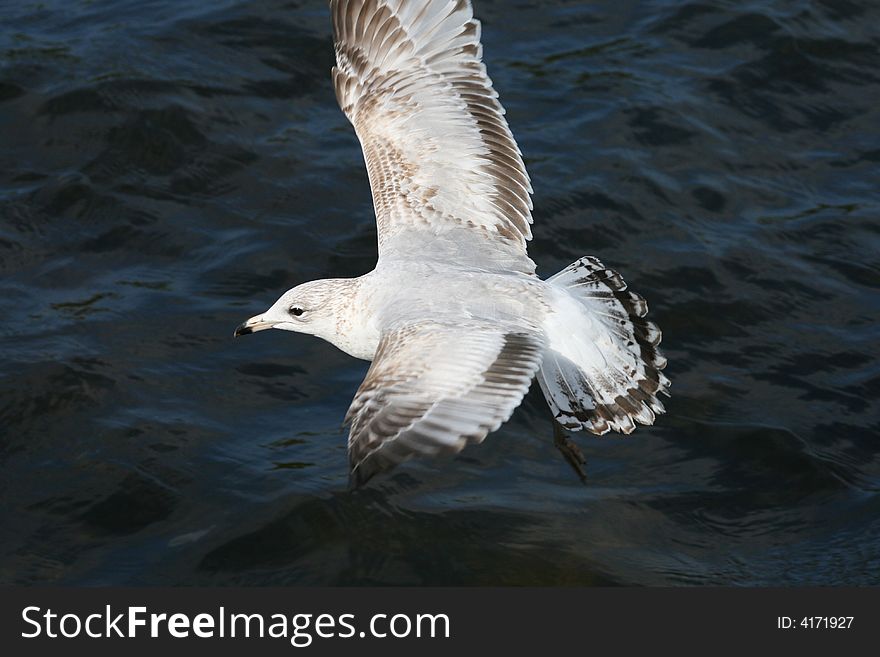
(308, 308)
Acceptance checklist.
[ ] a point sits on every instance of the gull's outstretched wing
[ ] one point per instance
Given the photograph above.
(433, 388)
(440, 156)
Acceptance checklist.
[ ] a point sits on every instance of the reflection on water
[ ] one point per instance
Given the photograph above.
(168, 168)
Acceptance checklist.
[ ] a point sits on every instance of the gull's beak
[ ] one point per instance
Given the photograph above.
(253, 325)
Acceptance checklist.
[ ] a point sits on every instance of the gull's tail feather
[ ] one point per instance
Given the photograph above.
(608, 376)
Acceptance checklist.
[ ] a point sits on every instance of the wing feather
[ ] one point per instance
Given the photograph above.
(439, 153)
(434, 388)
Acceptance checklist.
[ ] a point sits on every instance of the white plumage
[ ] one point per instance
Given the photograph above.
(438, 151)
(453, 317)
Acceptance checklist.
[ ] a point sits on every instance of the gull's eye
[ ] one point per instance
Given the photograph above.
(296, 311)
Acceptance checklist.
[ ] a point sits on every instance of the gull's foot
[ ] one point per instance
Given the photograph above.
(570, 451)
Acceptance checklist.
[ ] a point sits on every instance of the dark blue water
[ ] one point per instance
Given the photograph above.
(169, 167)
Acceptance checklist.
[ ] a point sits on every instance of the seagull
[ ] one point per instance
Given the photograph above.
(454, 318)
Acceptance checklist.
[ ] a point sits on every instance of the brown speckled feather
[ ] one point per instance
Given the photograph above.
(438, 150)
(434, 388)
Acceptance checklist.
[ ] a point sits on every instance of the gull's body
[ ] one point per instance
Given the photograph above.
(453, 317)
(396, 293)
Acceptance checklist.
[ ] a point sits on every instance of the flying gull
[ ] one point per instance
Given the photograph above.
(453, 317)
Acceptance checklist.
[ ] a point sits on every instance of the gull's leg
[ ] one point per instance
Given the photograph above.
(570, 451)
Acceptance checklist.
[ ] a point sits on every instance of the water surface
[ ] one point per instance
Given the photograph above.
(168, 168)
